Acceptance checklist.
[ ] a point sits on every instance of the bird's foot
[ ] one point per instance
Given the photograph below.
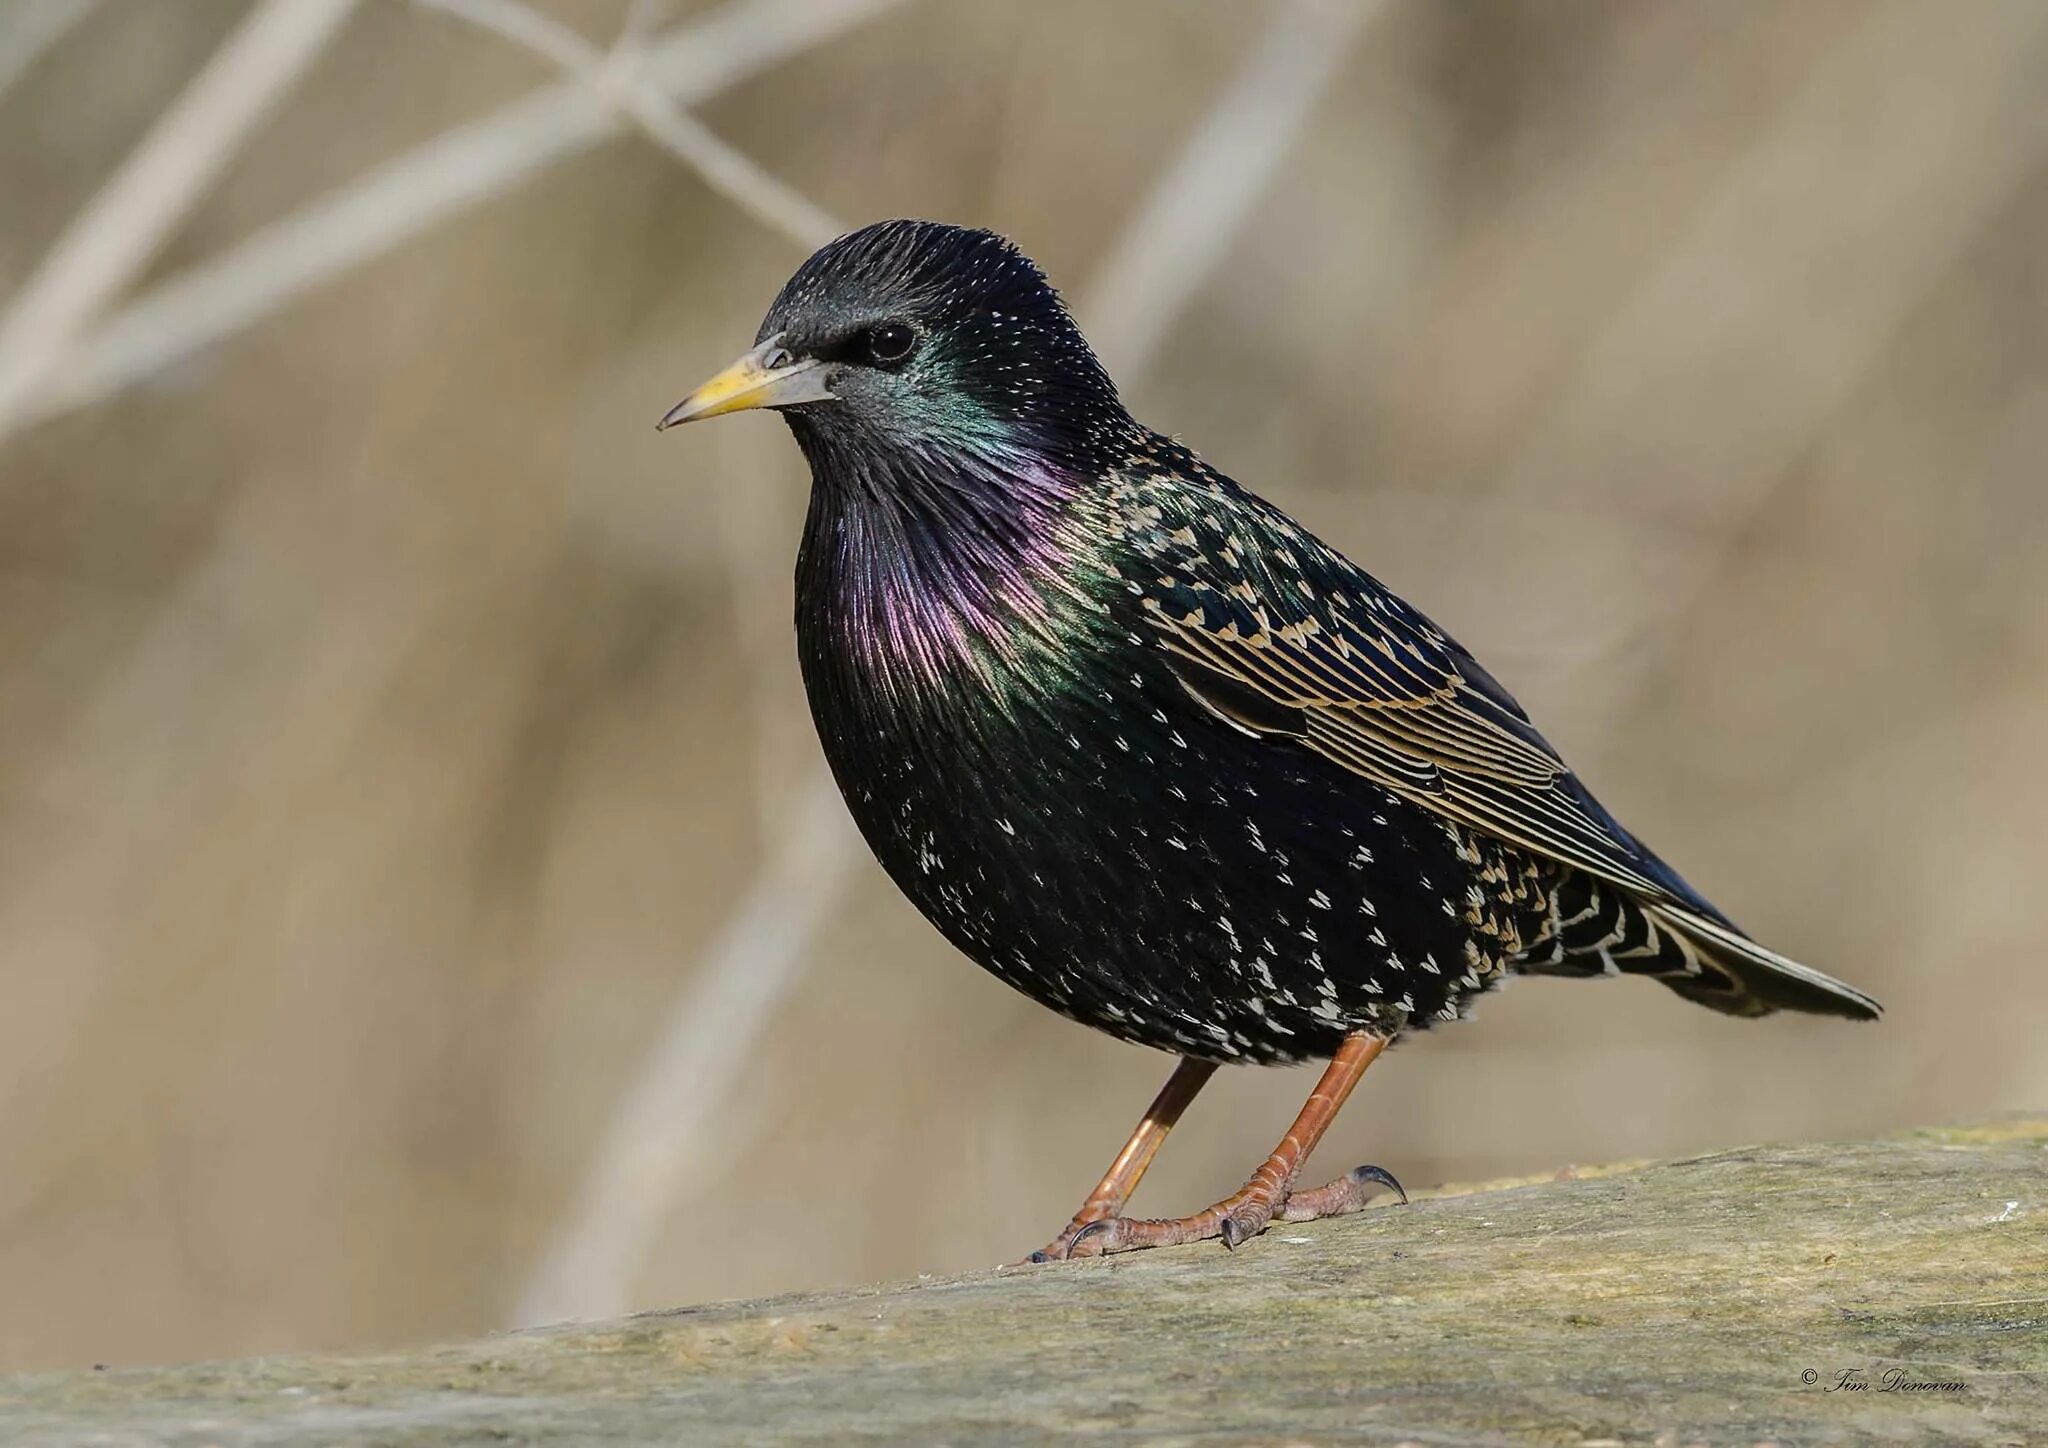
(1240, 1223)
(1236, 1219)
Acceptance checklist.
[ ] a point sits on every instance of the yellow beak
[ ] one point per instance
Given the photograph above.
(768, 376)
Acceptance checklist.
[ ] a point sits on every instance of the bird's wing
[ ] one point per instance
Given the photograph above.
(1281, 635)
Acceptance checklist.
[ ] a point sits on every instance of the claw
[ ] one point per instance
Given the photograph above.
(1081, 1236)
(1363, 1174)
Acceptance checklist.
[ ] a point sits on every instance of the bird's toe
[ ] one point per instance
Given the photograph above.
(1245, 1223)
(1348, 1193)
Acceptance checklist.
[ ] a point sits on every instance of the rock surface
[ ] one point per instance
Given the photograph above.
(1892, 1291)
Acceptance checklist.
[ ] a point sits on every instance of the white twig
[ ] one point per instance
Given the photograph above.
(1195, 208)
(617, 81)
(30, 28)
(418, 190)
(639, 1171)
(117, 232)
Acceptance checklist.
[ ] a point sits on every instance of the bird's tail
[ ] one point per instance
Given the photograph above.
(1598, 928)
(1764, 981)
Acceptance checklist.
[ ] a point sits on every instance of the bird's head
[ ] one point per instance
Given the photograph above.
(917, 337)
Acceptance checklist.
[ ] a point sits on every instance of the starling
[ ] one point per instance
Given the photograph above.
(1148, 750)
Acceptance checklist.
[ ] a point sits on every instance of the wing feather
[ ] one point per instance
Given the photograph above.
(1377, 688)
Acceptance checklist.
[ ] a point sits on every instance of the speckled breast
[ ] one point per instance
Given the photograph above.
(1148, 869)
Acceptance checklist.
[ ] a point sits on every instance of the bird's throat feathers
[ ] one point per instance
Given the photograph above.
(924, 574)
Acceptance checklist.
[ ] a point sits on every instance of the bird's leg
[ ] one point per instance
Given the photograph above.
(1244, 1214)
(1121, 1179)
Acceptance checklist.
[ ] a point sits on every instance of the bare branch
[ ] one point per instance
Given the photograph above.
(652, 1146)
(1195, 208)
(119, 230)
(727, 171)
(685, 1082)
(418, 190)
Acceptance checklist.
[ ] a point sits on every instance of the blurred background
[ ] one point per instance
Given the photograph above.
(419, 912)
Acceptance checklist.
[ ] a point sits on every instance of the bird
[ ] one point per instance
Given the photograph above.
(1151, 752)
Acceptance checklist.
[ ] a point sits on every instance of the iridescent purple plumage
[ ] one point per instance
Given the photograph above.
(917, 579)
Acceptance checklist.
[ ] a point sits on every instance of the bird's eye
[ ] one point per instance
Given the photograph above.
(890, 343)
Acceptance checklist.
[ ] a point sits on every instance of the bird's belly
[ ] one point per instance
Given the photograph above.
(1187, 887)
